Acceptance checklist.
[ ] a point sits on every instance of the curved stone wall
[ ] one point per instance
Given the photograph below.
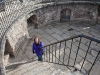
(45, 1)
(51, 13)
(45, 13)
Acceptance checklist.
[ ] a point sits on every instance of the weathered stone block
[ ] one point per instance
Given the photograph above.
(6, 59)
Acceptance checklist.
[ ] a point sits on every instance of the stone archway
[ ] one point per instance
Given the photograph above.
(32, 21)
(65, 15)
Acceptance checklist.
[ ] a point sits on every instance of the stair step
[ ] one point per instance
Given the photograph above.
(36, 68)
(47, 71)
(73, 73)
(24, 67)
(62, 73)
(56, 72)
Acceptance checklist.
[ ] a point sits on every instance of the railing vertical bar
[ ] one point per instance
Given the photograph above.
(46, 55)
(64, 52)
(52, 53)
(70, 52)
(49, 53)
(55, 52)
(94, 62)
(77, 50)
(85, 55)
(59, 52)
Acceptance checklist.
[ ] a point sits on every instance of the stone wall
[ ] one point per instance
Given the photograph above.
(2, 65)
(43, 1)
(47, 15)
(84, 12)
(98, 20)
(17, 33)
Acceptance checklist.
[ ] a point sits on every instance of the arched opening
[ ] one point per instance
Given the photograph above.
(8, 49)
(65, 15)
(98, 10)
(32, 21)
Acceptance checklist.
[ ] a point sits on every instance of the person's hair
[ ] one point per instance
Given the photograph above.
(38, 40)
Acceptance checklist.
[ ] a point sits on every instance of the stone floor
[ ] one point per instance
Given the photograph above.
(56, 31)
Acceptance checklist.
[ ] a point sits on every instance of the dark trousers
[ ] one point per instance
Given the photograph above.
(40, 58)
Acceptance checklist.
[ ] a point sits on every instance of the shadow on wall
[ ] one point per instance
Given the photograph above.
(8, 49)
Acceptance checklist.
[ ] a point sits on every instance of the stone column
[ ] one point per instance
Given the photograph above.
(2, 67)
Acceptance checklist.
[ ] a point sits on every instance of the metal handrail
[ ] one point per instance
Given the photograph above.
(49, 50)
(73, 37)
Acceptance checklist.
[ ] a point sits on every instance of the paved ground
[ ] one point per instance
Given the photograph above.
(58, 31)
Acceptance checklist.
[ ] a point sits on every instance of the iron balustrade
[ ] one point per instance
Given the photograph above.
(53, 54)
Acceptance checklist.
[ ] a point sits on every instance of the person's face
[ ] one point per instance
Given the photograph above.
(36, 40)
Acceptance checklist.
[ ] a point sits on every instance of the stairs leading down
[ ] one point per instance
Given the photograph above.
(36, 68)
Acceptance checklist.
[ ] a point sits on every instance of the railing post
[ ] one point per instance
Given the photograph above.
(94, 62)
(59, 52)
(46, 54)
(85, 55)
(64, 52)
(77, 50)
(49, 53)
(52, 53)
(55, 52)
(70, 52)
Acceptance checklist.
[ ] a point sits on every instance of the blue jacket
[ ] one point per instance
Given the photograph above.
(37, 48)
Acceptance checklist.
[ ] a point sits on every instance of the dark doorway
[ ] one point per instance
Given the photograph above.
(32, 21)
(8, 49)
(99, 10)
(65, 15)
(2, 5)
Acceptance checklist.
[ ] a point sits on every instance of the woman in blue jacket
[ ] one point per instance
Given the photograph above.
(38, 48)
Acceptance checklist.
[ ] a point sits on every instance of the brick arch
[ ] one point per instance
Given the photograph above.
(65, 15)
(33, 21)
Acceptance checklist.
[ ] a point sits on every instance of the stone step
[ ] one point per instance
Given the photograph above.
(47, 71)
(56, 72)
(72, 73)
(36, 68)
(22, 67)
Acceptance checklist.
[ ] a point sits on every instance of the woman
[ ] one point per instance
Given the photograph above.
(38, 48)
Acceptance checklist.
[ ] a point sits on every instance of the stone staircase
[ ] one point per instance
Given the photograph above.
(29, 65)
(35, 68)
